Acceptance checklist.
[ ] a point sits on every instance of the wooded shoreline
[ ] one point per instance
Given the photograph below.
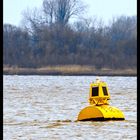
(75, 70)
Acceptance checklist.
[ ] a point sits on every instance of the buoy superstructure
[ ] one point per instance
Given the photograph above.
(99, 108)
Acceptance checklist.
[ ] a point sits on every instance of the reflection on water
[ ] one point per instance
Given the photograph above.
(46, 108)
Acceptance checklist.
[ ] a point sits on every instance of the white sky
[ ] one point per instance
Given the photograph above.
(105, 9)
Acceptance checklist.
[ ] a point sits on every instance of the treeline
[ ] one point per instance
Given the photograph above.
(59, 42)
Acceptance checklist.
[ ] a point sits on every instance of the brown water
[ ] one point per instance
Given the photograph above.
(46, 108)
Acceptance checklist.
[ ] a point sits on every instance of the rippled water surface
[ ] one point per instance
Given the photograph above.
(46, 108)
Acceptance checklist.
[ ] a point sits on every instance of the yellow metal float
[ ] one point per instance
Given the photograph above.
(99, 108)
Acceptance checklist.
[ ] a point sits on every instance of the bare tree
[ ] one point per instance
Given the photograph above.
(60, 11)
(32, 20)
(48, 9)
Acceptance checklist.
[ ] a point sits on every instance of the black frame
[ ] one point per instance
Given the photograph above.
(105, 91)
(95, 91)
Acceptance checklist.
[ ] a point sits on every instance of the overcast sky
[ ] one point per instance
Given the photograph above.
(105, 9)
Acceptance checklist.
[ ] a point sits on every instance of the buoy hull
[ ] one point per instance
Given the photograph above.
(100, 113)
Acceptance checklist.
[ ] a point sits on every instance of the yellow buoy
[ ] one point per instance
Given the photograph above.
(99, 108)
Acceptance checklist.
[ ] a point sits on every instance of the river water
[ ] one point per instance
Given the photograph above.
(46, 108)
